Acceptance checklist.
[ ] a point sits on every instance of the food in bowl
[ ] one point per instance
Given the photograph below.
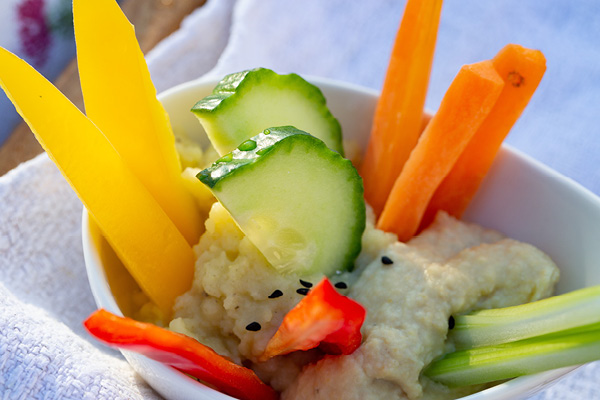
(506, 196)
(239, 300)
(409, 290)
(253, 268)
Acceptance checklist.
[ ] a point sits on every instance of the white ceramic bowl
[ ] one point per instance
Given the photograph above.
(520, 197)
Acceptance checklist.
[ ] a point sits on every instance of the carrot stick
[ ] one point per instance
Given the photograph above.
(465, 105)
(397, 120)
(522, 70)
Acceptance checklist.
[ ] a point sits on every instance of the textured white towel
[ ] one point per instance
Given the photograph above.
(44, 295)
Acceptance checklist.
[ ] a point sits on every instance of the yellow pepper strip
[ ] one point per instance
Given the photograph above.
(121, 100)
(149, 244)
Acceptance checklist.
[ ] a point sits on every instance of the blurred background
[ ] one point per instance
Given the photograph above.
(41, 32)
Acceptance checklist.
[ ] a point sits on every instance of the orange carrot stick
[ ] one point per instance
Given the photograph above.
(522, 70)
(465, 105)
(397, 120)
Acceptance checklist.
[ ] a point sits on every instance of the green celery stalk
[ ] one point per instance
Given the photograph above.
(489, 327)
(497, 362)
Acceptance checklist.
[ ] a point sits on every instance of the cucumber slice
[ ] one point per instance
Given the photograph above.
(300, 203)
(251, 101)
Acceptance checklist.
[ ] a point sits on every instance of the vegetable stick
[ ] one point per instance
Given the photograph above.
(510, 360)
(149, 244)
(504, 343)
(522, 70)
(397, 121)
(179, 351)
(121, 100)
(565, 312)
(465, 105)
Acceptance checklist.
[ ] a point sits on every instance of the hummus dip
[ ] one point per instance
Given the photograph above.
(410, 290)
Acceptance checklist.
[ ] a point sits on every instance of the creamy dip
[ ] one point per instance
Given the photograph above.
(238, 301)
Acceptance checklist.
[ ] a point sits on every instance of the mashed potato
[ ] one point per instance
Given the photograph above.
(238, 301)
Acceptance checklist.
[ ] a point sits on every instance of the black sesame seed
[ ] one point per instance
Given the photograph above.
(306, 284)
(303, 291)
(253, 327)
(341, 285)
(451, 322)
(386, 260)
(277, 293)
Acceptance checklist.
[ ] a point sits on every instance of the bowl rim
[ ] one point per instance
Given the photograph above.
(516, 387)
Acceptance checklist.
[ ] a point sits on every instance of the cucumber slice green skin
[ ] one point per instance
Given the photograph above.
(253, 100)
(300, 203)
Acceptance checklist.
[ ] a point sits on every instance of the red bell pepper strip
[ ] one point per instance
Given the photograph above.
(324, 319)
(179, 351)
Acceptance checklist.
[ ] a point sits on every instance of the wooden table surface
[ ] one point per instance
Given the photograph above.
(153, 20)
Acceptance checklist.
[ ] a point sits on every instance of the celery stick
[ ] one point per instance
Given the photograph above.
(529, 356)
(489, 327)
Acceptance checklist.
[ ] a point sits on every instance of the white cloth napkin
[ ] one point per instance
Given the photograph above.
(44, 294)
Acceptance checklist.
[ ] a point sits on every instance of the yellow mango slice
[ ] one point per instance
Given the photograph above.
(120, 99)
(149, 244)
